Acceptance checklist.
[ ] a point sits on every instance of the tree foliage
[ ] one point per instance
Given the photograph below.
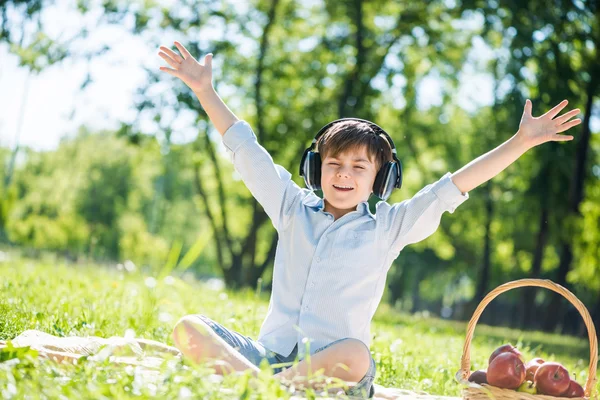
(289, 68)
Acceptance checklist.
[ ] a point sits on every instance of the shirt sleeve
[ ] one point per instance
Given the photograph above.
(270, 184)
(415, 219)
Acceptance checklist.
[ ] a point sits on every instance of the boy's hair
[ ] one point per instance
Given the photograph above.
(352, 135)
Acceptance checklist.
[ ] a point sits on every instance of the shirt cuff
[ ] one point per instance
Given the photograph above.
(237, 134)
(449, 193)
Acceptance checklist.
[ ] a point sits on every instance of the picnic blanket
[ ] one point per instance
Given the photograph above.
(149, 355)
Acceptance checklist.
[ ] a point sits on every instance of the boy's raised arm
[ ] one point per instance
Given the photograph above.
(415, 219)
(199, 78)
(532, 132)
(269, 183)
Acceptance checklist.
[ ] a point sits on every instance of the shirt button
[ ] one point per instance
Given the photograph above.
(305, 308)
(312, 284)
(318, 259)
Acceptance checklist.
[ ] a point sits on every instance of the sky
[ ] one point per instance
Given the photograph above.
(50, 97)
(53, 106)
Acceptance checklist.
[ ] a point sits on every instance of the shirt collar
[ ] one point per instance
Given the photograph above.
(318, 204)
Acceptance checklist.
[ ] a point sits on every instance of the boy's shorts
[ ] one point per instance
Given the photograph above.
(255, 352)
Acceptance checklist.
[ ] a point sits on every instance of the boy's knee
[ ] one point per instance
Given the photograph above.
(359, 358)
(188, 326)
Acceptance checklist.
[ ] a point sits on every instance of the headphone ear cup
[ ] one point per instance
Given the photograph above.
(311, 170)
(385, 181)
(399, 179)
(301, 169)
(317, 171)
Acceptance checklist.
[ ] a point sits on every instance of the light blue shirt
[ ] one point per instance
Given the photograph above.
(329, 276)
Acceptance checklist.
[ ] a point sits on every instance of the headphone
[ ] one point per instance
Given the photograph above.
(388, 177)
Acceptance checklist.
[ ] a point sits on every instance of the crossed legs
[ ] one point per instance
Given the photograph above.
(347, 359)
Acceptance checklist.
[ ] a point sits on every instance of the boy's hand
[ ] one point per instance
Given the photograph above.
(546, 128)
(197, 76)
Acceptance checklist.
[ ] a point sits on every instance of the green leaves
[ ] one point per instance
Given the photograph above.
(23, 354)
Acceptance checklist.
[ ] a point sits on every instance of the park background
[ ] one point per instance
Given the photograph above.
(107, 161)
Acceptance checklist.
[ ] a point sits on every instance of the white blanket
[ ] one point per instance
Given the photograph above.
(149, 355)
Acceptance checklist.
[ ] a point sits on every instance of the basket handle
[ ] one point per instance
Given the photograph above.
(465, 362)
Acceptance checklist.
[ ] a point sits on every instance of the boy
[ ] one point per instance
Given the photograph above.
(333, 254)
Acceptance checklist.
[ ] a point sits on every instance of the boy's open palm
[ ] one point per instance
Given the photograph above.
(185, 67)
(546, 128)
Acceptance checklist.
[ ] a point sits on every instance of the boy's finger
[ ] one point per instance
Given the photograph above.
(553, 112)
(172, 54)
(183, 50)
(562, 138)
(566, 117)
(208, 60)
(568, 125)
(170, 71)
(527, 108)
(169, 60)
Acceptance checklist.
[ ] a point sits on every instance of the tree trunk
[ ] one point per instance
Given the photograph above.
(255, 273)
(258, 98)
(211, 219)
(234, 274)
(484, 274)
(529, 308)
(347, 103)
(416, 295)
(596, 313)
(220, 190)
(248, 249)
(576, 194)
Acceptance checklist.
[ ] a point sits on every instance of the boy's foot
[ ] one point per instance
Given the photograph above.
(198, 342)
(192, 338)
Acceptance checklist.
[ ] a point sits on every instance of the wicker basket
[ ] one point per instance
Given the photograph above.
(473, 391)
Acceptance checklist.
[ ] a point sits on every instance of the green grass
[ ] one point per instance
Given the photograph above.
(412, 352)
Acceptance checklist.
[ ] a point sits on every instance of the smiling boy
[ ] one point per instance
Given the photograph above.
(351, 155)
(333, 254)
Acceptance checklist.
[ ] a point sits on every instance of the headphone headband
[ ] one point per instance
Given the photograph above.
(378, 130)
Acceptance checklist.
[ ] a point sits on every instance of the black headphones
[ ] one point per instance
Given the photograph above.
(388, 177)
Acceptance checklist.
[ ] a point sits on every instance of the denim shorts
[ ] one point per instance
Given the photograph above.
(255, 352)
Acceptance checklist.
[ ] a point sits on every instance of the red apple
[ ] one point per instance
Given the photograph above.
(506, 371)
(504, 349)
(574, 390)
(531, 367)
(479, 376)
(552, 378)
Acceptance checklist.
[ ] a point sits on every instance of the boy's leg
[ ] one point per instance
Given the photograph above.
(201, 339)
(347, 359)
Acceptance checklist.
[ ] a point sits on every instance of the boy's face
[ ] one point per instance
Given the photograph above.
(352, 169)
